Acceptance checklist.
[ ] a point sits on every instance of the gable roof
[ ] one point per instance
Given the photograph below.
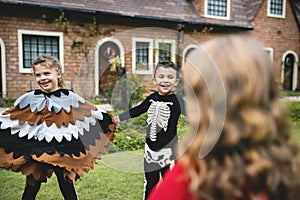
(180, 11)
(296, 9)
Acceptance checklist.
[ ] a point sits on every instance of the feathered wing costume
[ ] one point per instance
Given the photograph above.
(60, 128)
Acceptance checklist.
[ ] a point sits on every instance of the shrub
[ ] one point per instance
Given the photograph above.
(129, 140)
(8, 102)
(294, 112)
(131, 135)
(113, 90)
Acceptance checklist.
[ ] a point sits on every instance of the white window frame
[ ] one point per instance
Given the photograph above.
(150, 56)
(39, 33)
(3, 67)
(270, 52)
(214, 16)
(269, 14)
(163, 41)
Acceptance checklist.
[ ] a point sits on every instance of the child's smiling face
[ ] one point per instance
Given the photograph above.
(165, 80)
(47, 77)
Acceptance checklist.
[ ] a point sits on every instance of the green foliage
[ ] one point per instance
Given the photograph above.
(180, 89)
(294, 112)
(135, 90)
(8, 102)
(131, 135)
(112, 90)
(86, 33)
(287, 93)
(129, 140)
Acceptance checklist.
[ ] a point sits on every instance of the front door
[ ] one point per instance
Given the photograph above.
(288, 72)
(107, 77)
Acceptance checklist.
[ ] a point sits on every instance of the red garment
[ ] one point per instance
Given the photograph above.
(174, 186)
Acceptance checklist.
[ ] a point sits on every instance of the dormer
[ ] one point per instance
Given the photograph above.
(216, 9)
(276, 8)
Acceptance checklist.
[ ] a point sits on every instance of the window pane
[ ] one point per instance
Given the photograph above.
(164, 52)
(142, 55)
(217, 8)
(276, 7)
(34, 46)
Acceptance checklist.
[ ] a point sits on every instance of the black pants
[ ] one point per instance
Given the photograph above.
(66, 187)
(151, 179)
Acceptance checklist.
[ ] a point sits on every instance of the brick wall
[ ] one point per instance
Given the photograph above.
(280, 34)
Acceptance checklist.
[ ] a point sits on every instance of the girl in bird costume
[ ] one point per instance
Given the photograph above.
(52, 129)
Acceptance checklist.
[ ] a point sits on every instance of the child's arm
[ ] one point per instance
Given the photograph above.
(135, 111)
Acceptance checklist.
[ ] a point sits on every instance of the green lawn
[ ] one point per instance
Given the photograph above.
(116, 176)
(296, 135)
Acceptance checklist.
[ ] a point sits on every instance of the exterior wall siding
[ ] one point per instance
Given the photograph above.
(281, 35)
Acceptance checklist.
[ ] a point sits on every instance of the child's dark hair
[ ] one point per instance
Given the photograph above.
(167, 64)
(50, 62)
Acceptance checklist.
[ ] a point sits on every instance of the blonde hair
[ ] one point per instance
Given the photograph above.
(253, 152)
(49, 62)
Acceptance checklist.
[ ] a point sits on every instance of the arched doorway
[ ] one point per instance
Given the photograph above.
(107, 77)
(186, 52)
(289, 71)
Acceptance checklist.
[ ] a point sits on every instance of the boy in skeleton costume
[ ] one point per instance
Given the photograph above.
(52, 129)
(163, 108)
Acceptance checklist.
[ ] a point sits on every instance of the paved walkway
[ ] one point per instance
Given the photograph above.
(291, 98)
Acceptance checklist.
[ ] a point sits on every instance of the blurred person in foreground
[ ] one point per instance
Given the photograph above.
(239, 145)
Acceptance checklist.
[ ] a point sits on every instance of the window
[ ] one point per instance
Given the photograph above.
(142, 56)
(217, 9)
(35, 43)
(165, 50)
(276, 8)
(270, 53)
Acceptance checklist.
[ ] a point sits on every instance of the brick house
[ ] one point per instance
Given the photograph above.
(84, 35)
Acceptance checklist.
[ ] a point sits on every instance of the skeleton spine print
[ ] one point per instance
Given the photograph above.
(158, 117)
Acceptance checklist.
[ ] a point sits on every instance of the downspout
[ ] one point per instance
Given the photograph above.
(180, 28)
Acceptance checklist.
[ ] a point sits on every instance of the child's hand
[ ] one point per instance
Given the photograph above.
(117, 120)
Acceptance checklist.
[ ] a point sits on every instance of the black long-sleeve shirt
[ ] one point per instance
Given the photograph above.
(163, 113)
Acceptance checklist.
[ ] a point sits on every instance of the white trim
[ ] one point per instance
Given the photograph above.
(98, 45)
(150, 56)
(270, 50)
(185, 50)
(295, 68)
(163, 41)
(39, 33)
(3, 68)
(217, 17)
(269, 14)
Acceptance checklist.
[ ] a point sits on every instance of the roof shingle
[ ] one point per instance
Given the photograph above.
(181, 11)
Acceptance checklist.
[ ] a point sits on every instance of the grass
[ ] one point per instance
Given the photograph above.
(290, 93)
(296, 135)
(116, 176)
